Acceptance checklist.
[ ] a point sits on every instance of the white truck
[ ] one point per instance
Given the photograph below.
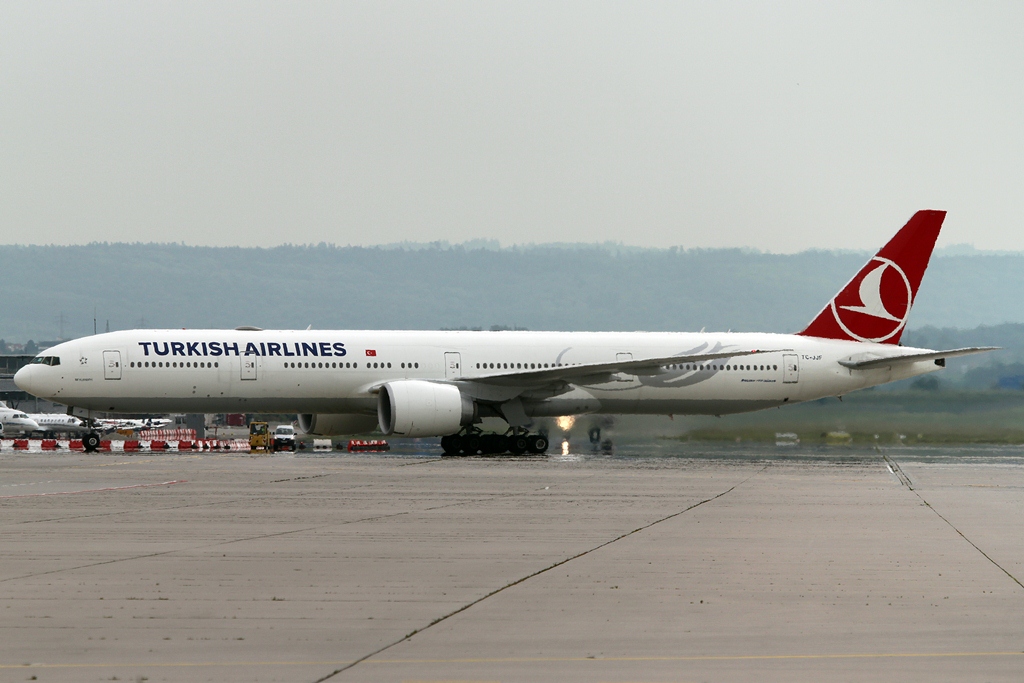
(284, 438)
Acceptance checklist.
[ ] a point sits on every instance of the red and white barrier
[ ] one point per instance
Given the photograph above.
(167, 434)
(126, 446)
(373, 446)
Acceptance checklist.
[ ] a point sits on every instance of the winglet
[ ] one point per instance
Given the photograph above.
(874, 306)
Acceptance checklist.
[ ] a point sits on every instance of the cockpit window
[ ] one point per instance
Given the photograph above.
(46, 360)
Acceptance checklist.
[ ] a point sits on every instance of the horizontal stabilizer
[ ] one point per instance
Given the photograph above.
(868, 361)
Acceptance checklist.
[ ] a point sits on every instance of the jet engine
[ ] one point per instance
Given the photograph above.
(414, 407)
(333, 425)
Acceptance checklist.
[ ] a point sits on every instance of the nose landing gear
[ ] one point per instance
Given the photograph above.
(91, 442)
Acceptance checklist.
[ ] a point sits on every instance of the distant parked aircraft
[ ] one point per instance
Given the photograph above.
(59, 423)
(16, 422)
(133, 425)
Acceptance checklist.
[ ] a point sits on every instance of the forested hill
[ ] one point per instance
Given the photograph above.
(539, 288)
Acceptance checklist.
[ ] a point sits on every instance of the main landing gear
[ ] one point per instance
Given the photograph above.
(478, 443)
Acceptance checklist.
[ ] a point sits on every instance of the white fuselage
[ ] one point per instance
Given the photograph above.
(16, 422)
(59, 423)
(216, 371)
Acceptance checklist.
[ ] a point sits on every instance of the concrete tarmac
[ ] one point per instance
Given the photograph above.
(745, 567)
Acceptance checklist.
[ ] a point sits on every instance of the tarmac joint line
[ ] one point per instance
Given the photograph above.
(897, 471)
(949, 523)
(533, 575)
(103, 490)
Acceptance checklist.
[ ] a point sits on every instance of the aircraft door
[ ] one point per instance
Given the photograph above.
(249, 367)
(619, 357)
(452, 365)
(111, 365)
(790, 368)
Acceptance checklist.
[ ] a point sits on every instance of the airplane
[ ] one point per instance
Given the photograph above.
(15, 421)
(44, 423)
(133, 424)
(58, 423)
(443, 383)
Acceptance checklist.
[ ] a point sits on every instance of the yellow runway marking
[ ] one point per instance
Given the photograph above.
(534, 660)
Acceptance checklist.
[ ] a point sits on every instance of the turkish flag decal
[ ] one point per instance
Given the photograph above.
(371, 352)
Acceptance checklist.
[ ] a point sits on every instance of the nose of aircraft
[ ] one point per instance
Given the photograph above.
(23, 379)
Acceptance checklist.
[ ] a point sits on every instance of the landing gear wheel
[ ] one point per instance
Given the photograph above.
(493, 444)
(451, 445)
(518, 444)
(471, 444)
(537, 443)
(91, 442)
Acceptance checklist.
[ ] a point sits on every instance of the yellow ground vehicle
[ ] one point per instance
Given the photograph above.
(259, 437)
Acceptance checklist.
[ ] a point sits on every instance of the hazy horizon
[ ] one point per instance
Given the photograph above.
(958, 249)
(779, 127)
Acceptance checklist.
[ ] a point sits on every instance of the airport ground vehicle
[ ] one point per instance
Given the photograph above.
(259, 437)
(284, 438)
(443, 383)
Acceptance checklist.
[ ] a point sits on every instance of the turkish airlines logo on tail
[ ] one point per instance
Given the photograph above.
(878, 306)
(875, 304)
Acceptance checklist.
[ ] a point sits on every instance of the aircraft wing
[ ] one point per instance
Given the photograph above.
(593, 373)
(866, 363)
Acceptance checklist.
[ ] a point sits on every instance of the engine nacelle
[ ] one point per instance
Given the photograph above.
(413, 407)
(335, 425)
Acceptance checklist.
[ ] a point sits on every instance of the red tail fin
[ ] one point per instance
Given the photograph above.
(874, 306)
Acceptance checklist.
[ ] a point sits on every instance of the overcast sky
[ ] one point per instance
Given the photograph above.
(779, 126)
